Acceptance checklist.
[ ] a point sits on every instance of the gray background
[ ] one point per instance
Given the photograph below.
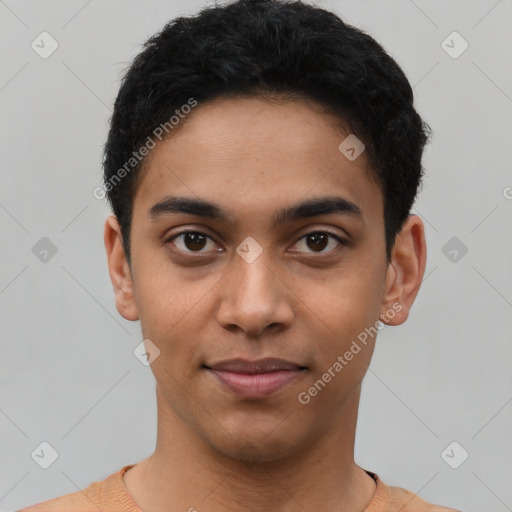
(67, 372)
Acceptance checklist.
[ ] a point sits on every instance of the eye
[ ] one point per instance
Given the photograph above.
(190, 241)
(197, 242)
(319, 240)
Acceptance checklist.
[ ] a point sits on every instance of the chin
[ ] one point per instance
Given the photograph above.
(254, 448)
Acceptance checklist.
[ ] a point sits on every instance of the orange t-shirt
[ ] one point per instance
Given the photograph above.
(110, 495)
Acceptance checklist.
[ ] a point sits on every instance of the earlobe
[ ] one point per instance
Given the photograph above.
(405, 272)
(119, 270)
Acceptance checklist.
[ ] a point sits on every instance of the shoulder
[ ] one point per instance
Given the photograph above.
(388, 498)
(73, 502)
(407, 501)
(99, 495)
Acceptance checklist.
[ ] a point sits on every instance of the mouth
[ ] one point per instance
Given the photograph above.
(255, 379)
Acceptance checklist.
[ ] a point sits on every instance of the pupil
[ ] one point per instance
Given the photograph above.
(317, 237)
(194, 239)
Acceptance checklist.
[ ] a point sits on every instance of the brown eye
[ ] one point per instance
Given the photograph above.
(191, 241)
(319, 240)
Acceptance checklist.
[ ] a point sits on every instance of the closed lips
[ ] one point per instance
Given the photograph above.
(254, 367)
(255, 379)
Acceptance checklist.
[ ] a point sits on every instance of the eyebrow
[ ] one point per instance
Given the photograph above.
(306, 209)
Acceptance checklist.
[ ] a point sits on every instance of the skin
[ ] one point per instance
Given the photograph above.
(296, 301)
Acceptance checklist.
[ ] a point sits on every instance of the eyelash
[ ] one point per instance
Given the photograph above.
(343, 243)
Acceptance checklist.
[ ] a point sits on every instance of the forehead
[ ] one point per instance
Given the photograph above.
(254, 156)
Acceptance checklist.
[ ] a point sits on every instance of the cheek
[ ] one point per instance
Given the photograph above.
(173, 314)
(345, 304)
(346, 312)
(161, 298)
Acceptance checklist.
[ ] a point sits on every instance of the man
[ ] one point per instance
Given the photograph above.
(262, 161)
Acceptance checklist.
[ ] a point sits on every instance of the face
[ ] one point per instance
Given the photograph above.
(221, 286)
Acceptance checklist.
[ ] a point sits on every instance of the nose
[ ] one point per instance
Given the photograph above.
(255, 298)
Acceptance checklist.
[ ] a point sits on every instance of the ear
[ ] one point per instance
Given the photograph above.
(120, 272)
(405, 272)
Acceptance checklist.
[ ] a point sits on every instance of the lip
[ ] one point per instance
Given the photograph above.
(255, 379)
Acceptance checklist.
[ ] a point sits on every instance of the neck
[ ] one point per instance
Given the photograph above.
(185, 473)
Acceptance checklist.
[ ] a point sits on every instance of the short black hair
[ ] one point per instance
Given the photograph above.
(267, 48)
